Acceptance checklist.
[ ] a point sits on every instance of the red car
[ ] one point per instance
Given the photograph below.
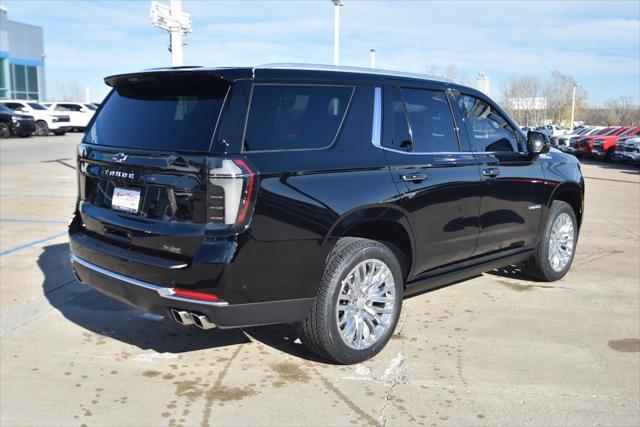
(585, 144)
(604, 146)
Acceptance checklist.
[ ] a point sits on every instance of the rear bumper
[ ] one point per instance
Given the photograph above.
(160, 300)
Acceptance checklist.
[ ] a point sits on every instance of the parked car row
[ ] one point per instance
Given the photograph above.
(599, 142)
(43, 118)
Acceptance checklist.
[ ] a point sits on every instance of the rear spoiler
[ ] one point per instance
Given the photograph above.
(158, 74)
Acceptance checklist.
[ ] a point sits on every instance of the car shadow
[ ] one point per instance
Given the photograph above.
(102, 315)
(514, 271)
(623, 167)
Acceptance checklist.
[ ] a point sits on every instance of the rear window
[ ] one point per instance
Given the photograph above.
(169, 114)
(295, 117)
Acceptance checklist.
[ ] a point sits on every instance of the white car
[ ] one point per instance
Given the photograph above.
(46, 120)
(79, 112)
(552, 131)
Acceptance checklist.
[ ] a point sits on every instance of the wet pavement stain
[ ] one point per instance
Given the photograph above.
(151, 374)
(626, 345)
(289, 372)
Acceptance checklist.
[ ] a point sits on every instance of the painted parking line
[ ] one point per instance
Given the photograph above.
(30, 244)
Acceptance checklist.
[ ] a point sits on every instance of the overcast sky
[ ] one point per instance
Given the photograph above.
(596, 42)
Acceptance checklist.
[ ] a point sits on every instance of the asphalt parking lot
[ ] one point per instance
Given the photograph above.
(496, 349)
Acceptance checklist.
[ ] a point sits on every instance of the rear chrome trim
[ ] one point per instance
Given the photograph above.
(376, 133)
(163, 292)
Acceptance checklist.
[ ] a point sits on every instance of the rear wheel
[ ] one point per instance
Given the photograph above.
(358, 304)
(556, 249)
(4, 131)
(59, 133)
(42, 129)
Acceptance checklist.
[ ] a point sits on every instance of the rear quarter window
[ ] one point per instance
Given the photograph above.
(295, 117)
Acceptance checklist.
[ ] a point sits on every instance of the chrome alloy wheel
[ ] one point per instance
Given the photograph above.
(366, 304)
(561, 242)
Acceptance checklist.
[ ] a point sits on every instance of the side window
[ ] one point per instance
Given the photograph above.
(13, 105)
(60, 107)
(431, 122)
(401, 139)
(294, 117)
(487, 130)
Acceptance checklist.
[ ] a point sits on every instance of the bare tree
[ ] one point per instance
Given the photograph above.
(68, 91)
(622, 110)
(451, 72)
(558, 92)
(523, 99)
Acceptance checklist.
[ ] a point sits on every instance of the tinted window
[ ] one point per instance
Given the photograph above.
(293, 117)
(431, 122)
(37, 106)
(13, 105)
(401, 137)
(172, 114)
(487, 129)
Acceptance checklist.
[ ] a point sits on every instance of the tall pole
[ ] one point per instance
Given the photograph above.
(337, 4)
(176, 35)
(373, 57)
(573, 104)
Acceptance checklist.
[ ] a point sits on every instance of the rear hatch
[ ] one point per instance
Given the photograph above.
(147, 179)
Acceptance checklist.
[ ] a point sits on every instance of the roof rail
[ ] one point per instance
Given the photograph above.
(349, 69)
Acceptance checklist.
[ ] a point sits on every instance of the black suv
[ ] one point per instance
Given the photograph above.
(12, 123)
(319, 196)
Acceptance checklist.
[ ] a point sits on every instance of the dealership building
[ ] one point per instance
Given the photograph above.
(21, 60)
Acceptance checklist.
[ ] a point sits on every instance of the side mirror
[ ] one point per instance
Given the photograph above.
(537, 142)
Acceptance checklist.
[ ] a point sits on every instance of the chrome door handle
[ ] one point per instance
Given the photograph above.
(491, 172)
(414, 177)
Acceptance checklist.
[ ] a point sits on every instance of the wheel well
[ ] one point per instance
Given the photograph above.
(391, 234)
(574, 199)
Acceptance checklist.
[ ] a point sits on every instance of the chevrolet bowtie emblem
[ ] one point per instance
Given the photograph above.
(120, 157)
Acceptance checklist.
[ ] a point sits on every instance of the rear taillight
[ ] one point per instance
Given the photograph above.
(231, 189)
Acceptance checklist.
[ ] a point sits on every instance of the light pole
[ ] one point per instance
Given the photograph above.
(177, 23)
(573, 105)
(337, 4)
(373, 57)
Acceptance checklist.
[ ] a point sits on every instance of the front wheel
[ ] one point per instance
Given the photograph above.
(358, 303)
(42, 129)
(556, 249)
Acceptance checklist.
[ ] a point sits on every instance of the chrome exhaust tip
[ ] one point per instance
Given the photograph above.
(201, 321)
(182, 317)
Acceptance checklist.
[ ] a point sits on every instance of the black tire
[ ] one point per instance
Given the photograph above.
(59, 133)
(539, 267)
(319, 332)
(42, 128)
(5, 132)
(609, 155)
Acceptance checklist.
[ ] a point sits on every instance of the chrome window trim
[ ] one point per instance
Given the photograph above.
(163, 292)
(376, 133)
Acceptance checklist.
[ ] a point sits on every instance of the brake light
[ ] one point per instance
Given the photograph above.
(230, 193)
(186, 293)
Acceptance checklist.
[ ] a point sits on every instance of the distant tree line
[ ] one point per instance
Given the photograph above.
(557, 92)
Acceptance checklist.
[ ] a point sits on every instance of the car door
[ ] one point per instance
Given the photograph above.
(76, 117)
(439, 184)
(512, 186)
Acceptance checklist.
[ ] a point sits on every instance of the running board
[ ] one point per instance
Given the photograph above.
(465, 270)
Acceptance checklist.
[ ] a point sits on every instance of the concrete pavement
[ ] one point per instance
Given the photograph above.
(494, 350)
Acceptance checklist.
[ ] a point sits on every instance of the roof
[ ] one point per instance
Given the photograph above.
(277, 70)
